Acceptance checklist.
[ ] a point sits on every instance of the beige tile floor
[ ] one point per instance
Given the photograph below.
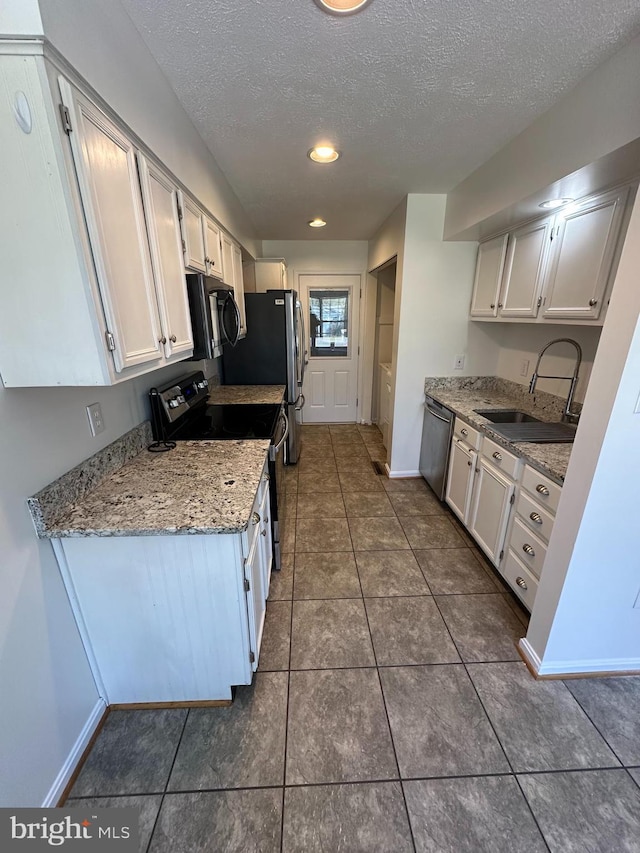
(391, 711)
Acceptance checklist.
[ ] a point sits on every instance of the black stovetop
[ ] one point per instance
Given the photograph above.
(227, 422)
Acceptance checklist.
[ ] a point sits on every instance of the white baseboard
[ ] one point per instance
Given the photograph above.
(399, 474)
(559, 669)
(71, 761)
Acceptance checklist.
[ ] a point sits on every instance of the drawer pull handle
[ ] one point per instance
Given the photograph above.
(255, 518)
(497, 456)
(464, 432)
(521, 582)
(535, 516)
(528, 550)
(543, 490)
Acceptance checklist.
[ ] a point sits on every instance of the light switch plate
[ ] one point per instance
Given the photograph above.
(96, 421)
(524, 367)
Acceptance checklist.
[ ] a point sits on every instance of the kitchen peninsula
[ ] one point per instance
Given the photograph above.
(166, 559)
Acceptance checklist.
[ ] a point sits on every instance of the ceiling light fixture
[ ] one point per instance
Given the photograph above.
(317, 223)
(554, 203)
(342, 7)
(323, 154)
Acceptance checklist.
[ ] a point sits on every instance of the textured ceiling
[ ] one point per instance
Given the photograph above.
(415, 93)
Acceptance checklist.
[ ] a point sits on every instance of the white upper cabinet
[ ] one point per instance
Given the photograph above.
(489, 268)
(232, 266)
(213, 249)
(582, 254)
(104, 159)
(524, 270)
(160, 197)
(192, 234)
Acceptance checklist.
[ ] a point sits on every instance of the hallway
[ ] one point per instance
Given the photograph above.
(391, 711)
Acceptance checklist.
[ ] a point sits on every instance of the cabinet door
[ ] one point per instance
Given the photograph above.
(524, 270)
(486, 285)
(238, 286)
(255, 596)
(104, 158)
(582, 255)
(265, 542)
(213, 257)
(490, 506)
(192, 234)
(160, 198)
(462, 464)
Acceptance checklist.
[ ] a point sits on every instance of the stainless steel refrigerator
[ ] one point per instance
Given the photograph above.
(274, 352)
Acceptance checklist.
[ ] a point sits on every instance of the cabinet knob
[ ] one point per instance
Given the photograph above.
(500, 305)
(263, 533)
(207, 260)
(464, 432)
(593, 302)
(493, 305)
(497, 456)
(534, 516)
(162, 340)
(469, 463)
(255, 518)
(521, 583)
(528, 550)
(173, 339)
(543, 490)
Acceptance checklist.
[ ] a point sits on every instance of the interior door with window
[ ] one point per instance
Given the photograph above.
(331, 306)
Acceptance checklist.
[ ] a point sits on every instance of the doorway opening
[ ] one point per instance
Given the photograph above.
(382, 391)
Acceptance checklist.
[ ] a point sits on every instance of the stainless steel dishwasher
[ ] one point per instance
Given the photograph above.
(437, 429)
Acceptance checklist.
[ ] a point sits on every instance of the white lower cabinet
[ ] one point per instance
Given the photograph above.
(462, 469)
(171, 618)
(491, 503)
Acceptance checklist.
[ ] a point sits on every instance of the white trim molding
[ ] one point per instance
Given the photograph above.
(567, 668)
(71, 761)
(400, 474)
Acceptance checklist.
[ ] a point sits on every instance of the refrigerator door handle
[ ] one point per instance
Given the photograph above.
(301, 406)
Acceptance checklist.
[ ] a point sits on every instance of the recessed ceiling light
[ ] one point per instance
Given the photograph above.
(342, 7)
(317, 222)
(323, 154)
(553, 203)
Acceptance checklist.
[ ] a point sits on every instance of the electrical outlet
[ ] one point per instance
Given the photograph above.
(96, 421)
(524, 367)
(458, 363)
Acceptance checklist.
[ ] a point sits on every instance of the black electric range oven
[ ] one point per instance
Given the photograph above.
(180, 412)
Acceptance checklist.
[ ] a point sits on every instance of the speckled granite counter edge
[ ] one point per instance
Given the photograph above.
(54, 500)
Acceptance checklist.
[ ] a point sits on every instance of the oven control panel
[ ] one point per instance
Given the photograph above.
(175, 400)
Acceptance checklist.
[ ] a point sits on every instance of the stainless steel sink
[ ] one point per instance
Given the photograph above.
(506, 416)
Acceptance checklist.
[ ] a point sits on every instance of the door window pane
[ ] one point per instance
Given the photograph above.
(329, 323)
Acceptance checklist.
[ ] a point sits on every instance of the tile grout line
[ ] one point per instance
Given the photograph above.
(286, 719)
(588, 716)
(490, 721)
(386, 712)
(166, 784)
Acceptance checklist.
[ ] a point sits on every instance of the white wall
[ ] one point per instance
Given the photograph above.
(591, 574)
(317, 256)
(432, 306)
(518, 341)
(100, 41)
(599, 115)
(20, 17)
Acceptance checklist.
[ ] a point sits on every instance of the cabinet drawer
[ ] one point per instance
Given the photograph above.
(545, 491)
(520, 579)
(500, 458)
(530, 549)
(534, 516)
(467, 433)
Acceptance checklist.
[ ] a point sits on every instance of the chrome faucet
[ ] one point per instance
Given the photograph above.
(567, 415)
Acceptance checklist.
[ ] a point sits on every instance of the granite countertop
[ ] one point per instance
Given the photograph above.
(200, 487)
(222, 394)
(550, 459)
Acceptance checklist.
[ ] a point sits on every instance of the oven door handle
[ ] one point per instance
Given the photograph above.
(286, 432)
